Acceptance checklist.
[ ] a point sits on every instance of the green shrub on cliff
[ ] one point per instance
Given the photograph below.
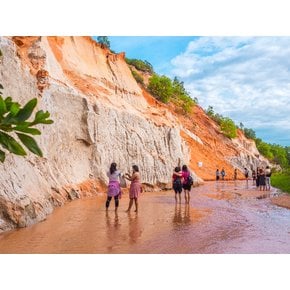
(141, 65)
(165, 90)
(180, 94)
(139, 79)
(14, 122)
(228, 127)
(250, 133)
(161, 88)
(214, 116)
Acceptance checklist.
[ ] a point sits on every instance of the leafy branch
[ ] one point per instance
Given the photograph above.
(14, 118)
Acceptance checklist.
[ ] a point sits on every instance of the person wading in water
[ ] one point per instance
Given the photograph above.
(187, 183)
(135, 187)
(177, 183)
(114, 189)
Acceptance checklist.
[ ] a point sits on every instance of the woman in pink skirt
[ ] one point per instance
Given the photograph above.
(114, 189)
(135, 187)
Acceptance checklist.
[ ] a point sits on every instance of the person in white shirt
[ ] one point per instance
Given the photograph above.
(268, 176)
(114, 189)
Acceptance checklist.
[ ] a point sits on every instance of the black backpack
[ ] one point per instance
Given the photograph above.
(189, 180)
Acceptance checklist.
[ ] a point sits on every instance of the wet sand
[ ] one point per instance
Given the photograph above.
(224, 217)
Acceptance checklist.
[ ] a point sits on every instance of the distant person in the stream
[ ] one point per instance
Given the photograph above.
(223, 174)
(135, 187)
(254, 176)
(262, 179)
(177, 183)
(268, 176)
(235, 174)
(217, 175)
(257, 176)
(187, 182)
(114, 189)
(246, 173)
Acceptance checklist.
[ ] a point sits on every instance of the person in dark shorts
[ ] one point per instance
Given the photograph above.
(177, 183)
(258, 177)
(223, 174)
(262, 179)
(246, 172)
(254, 176)
(185, 184)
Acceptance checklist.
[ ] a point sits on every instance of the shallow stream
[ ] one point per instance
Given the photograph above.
(224, 217)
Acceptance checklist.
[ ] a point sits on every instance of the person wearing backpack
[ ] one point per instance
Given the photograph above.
(186, 183)
(177, 183)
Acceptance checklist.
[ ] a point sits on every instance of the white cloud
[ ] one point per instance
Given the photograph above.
(245, 78)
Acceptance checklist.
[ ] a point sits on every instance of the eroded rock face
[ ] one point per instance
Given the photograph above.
(87, 135)
(100, 115)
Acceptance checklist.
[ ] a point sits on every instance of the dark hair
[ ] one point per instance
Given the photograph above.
(177, 169)
(135, 168)
(113, 167)
(184, 168)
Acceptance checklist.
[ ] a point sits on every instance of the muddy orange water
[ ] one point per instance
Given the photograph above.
(224, 217)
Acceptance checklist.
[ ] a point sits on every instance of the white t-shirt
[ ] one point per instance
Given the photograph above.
(115, 176)
(267, 171)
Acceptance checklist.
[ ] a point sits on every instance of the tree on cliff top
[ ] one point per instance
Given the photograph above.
(104, 40)
(14, 119)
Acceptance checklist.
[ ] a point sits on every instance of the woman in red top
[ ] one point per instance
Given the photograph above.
(176, 182)
(185, 185)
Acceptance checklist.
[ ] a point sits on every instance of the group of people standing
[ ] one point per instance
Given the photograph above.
(262, 178)
(219, 174)
(181, 181)
(114, 188)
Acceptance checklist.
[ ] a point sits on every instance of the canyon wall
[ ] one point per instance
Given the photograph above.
(100, 115)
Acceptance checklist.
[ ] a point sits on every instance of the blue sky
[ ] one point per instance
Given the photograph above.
(244, 78)
(158, 50)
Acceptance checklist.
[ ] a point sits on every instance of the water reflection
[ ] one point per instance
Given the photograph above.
(112, 228)
(247, 183)
(177, 218)
(181, 217)
(135, 228)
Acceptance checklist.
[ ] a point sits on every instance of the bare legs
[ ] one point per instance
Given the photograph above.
(178, 196)
(186, 195)
(131, 203)
(116, 198)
